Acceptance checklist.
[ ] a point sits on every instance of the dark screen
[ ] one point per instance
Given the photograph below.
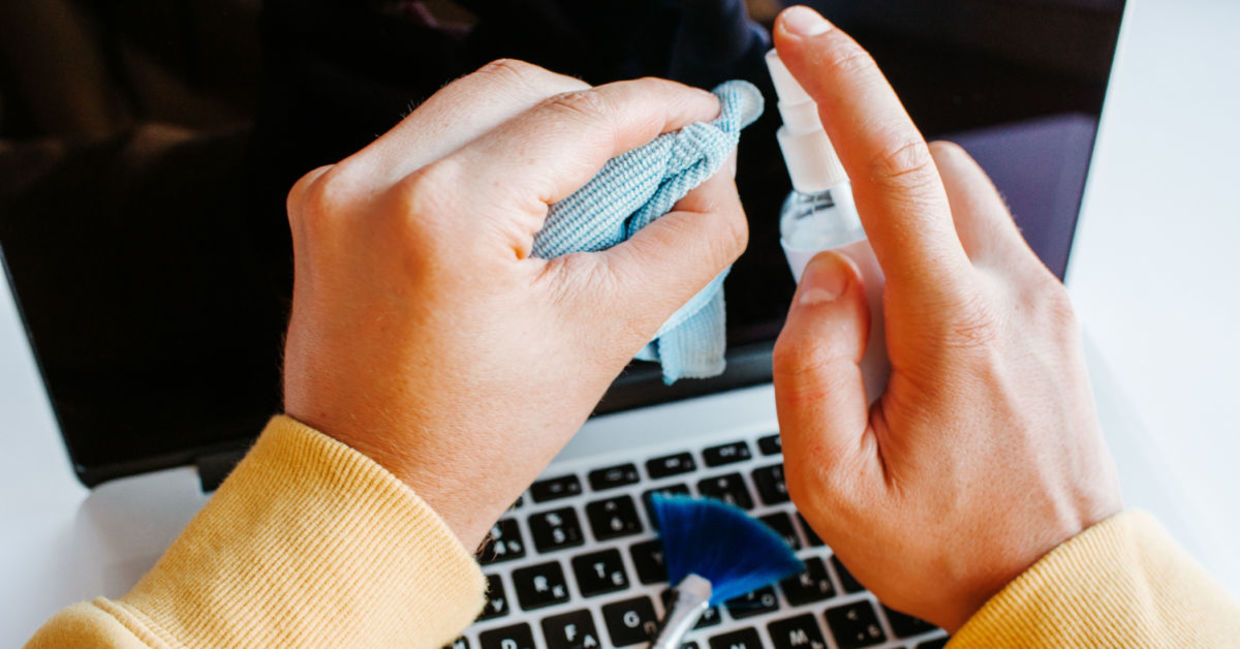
(147, 148)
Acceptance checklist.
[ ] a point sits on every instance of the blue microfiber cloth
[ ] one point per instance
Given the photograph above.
(637, 187)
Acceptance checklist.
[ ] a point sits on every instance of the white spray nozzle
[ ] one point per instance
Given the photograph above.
(786, 86)
(812, 163)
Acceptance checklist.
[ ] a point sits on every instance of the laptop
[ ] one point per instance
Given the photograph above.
(157, 321)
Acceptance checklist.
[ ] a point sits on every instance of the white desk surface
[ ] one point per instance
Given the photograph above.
(1153, 276)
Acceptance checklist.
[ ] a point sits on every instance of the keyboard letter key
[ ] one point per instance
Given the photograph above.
(741, 639)
(571, 631)
(497, 601)
(600, 572)
(800, 632)
(631, 621)
(540, 585)
(517, 636)
(556, 529)
(855, 625)
(613, 518)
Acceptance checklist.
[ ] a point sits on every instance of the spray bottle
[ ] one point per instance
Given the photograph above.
(820, 214)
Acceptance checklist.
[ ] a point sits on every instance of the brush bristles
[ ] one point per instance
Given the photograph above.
(721, 543)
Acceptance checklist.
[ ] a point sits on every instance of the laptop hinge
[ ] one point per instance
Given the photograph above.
(214, 467)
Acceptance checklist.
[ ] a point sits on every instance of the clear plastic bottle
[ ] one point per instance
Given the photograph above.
(820, 214)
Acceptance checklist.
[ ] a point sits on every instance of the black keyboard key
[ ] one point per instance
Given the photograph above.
(812, 585)
(726, 454)
(553, 488)
(460, 643)
(729, 488)
(937, 643)
(600, 572)
(771, 486)
(504, 544)
(556, 529)
(855, 625)
(540, 585)
(497, 600)
(906, 626)
(800, 632)
(648, 559)
(709, 617)
(573, 630)
(613, 518)
(669, 490)
(661, 467)
(631, 621)
(810, 535)
(753, 603)
(612, 476)
(517, 636)
(746, 638)
(849, 582)
(688, 645)
(770, 445)
(782, 524)
(516, 504)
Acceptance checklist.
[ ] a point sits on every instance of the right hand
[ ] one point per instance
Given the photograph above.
(984, 453)
(423, 332)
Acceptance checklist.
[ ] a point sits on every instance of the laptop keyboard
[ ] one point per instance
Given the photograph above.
(577, 564)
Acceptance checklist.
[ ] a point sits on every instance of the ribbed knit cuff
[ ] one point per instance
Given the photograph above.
(1121, 583)
(307, 543)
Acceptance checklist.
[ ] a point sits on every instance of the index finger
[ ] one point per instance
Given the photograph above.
(897, 188)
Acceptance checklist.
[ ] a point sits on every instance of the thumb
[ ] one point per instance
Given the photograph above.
(663, 265)
(819, 392)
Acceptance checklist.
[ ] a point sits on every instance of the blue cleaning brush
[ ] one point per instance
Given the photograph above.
(713, 552)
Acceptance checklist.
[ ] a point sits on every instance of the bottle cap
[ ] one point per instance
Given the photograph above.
(812, 163)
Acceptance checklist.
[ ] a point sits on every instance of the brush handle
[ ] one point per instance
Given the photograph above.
(692, 599)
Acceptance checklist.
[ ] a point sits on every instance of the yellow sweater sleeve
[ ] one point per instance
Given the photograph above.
(1122, 583)
(307, 544)
(311, 544)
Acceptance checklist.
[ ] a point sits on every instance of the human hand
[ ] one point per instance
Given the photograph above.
(984, 452)
(425, 336)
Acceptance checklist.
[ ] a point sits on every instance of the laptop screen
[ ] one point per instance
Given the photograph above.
(142, 182)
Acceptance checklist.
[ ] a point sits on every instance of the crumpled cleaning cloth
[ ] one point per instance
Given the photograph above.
(637, 187)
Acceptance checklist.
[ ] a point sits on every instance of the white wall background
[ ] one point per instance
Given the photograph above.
(1155, 271)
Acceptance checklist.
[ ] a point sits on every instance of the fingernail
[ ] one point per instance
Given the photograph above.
(825, 279)
(803, 21)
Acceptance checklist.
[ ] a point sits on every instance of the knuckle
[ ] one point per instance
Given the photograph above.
(517, 72)
(425, 192)
(791, 357)
(807, 367)
(973, 325)
(297, 193)
(579, 104)
(908, 165)
(1055, 306)
(511, 68)
(327, 193)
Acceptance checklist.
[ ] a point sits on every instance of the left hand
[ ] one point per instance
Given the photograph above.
(425, 336)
